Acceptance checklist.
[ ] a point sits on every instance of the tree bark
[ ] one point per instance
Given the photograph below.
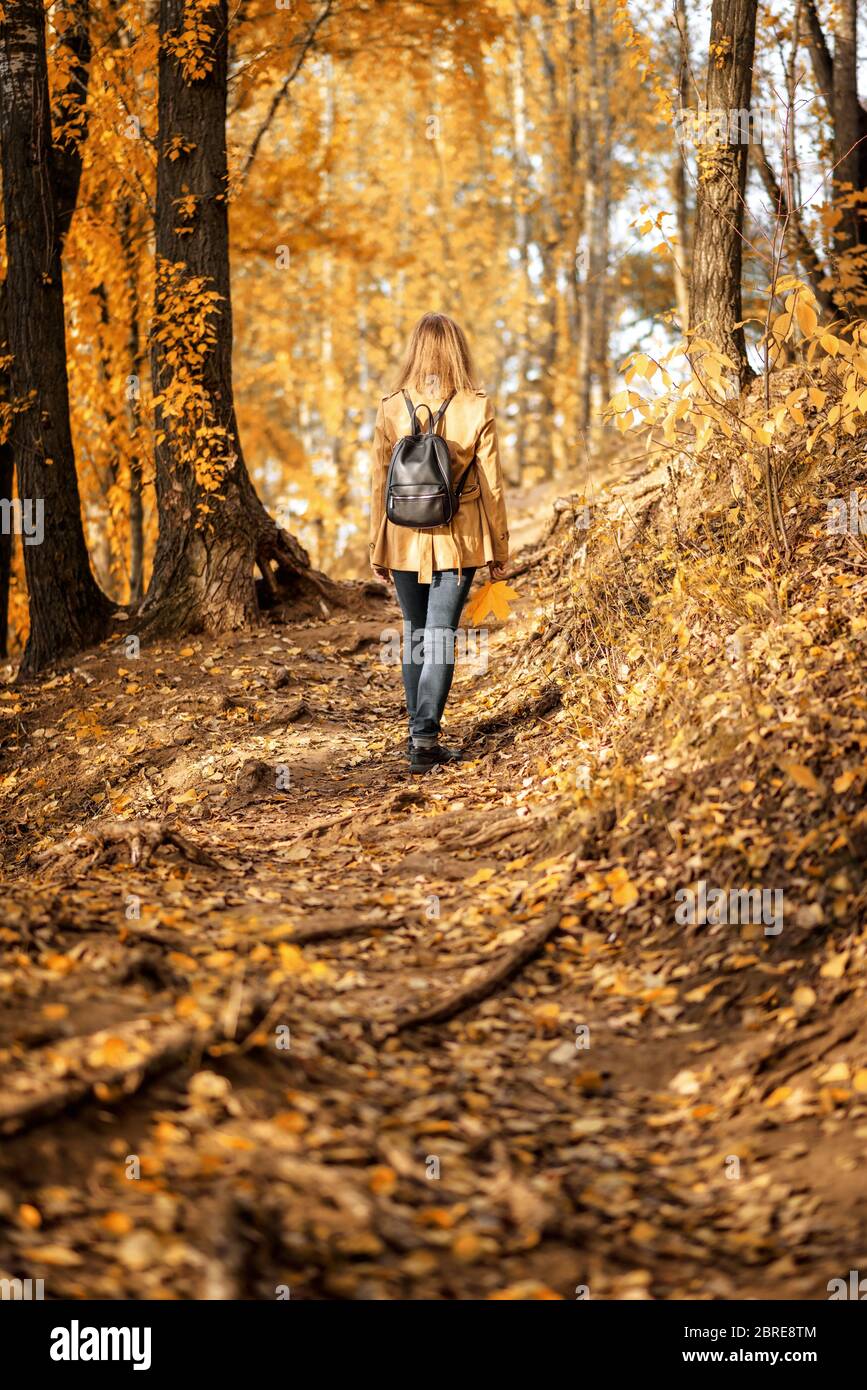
(602, 326)
(521, 196)
(597, 130)
(135, 358)
(550, 238)
(679, 172)
(715, 295)
(823, 64)
(7, 474)
(212, 525)
(847, 124)
(71, 113)
(841, 91)
(591, 288)
(68, 611)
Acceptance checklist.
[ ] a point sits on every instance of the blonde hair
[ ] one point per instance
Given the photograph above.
(438, 359)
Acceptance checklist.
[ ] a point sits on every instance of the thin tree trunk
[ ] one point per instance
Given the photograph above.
(573, 116)
(847, 123)
(715, 299)
(602, 325)
(135, 358)
(679, 173)
(835, 90)
(550, 241)
(7, 475)
(68, 611)
(823, 64)
(592, 193)
(792, 165)
(521, 180)
(212, 525)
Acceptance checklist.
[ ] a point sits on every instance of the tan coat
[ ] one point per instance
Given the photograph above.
(479, 533)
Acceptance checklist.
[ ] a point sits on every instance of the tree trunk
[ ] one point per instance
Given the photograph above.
(847, 124)
(521, 196)
(597, 130)
(135, 359)
(592, 193)
(212, 526)
(7, 474)
(550, 239)
(602, 238)
(715, 297)
(840, 93)
(679, 172)
(71, 105)
(68, 611)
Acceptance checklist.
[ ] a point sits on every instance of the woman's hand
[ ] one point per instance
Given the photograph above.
(383, 574)
(496, 571)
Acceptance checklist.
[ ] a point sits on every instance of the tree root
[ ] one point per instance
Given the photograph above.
(142, 839)
(170, 1043)
(535, 708)
(456, 1001)
(396, 802)
(332, 932)
(292, 575)
(489, 834)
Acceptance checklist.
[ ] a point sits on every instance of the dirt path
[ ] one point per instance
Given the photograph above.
(385, 1045)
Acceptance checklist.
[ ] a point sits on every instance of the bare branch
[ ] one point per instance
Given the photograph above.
(282, 90)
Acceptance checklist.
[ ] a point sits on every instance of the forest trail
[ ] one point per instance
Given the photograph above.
(347, 1057)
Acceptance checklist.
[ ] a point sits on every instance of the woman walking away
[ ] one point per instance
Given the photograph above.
(437, 513)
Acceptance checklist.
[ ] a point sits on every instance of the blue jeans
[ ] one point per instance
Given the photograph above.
(431, 614)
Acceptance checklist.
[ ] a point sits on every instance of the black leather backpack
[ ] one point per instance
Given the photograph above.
(419, 491)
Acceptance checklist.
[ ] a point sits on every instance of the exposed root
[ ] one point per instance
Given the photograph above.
(502, 969)
(167, 1042)
(141, 838)
(332, 932)
(528, 710)
(396, 802)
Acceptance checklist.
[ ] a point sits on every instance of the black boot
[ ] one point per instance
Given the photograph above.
(423, 759)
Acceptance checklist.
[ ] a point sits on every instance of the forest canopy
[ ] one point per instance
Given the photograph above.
(541, 169)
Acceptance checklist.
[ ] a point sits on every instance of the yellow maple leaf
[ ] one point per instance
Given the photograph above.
(491, 598)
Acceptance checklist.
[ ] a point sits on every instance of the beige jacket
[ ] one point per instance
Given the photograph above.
(479, 533)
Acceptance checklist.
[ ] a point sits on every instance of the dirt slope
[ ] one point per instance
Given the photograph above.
(365, 1036)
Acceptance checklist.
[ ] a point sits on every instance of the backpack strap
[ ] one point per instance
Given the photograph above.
(442, 410)
(433, 419)
(413, 415)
